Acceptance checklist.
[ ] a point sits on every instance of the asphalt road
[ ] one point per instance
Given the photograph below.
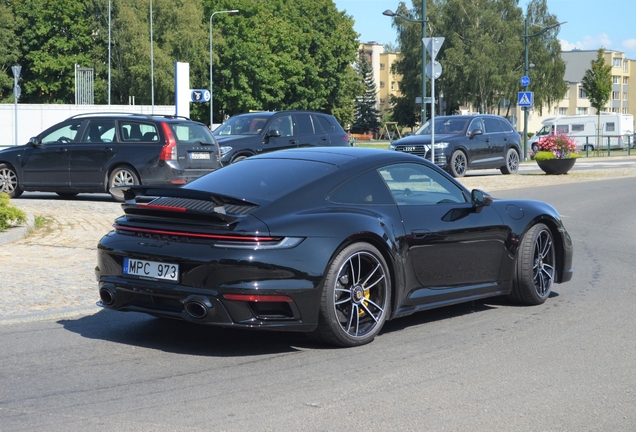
(565, 365)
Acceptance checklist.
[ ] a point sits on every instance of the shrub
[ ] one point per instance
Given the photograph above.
(9, 215)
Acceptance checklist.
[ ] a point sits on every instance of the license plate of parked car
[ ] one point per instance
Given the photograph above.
(199, 155)
(151, 269)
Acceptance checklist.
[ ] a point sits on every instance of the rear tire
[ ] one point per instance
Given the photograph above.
(512, 162)
(458, 164)
(122, 176)
(9, 181)
(356, 297)
(536, 267)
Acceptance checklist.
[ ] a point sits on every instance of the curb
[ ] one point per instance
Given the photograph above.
(17, 232)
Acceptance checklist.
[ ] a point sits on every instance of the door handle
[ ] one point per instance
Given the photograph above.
(62, 150)
(487, 140)
(108, 149)
(420, 234)
(292, 142)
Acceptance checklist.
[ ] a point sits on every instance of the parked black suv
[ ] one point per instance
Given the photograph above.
(245, 135)
(92, 153)
(466, 142)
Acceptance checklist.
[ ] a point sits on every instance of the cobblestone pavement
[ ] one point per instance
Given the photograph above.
(50, 272)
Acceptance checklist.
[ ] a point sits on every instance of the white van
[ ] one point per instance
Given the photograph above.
(615, 129)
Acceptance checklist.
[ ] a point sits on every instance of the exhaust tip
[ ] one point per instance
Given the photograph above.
(107, 296)
(197, 307)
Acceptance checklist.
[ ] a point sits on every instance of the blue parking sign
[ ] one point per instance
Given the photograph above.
(525, 99)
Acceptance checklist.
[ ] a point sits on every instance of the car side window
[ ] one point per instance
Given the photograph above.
(366, 189)
(476, 124)
(492, 125)
(325, 123)
(414, 184)
(133, 131)
(283, 124)
(63, 134)
(303, 124)
(99, 131)
(505, 126)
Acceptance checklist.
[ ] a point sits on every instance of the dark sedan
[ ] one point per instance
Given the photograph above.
(466, 142)
(329, 241)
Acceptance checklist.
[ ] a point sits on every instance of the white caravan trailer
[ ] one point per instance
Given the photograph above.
(616, 129)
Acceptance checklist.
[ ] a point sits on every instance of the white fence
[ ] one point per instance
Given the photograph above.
(35, 118)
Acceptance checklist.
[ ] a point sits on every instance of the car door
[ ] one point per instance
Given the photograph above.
(46, 164)
(279, 134)
(496, 140)
(477, 142)
(308, 133)
(453, 250)
(90, 155)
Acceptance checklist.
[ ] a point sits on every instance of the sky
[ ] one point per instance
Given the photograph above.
(590, 24)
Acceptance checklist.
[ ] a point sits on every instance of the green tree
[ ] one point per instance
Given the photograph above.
(597, 84)
(366, 114)
(544, 52)
(284, 54)
(9, 52)
(55, 35)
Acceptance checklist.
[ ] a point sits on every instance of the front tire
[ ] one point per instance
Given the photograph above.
(121, 176)
(9, 181)
(356, 297)
(512, 162)
(458, 164)
(536, 267)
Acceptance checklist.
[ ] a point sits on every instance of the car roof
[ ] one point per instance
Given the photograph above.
(125, 115)
(340, 155)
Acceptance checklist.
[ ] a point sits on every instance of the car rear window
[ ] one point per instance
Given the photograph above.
(191, 133)
(259, 180)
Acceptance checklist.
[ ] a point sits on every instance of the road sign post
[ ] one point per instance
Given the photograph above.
(433, 71)
(16, 95)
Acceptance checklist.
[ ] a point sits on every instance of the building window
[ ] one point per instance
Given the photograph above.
(581, 111)
(382, 101)
(381, 66)
(616, 79)
(567, 94)
(624, 96)
(625, 69)
(625, 80)
(563, 111)
(381, 84)
(615, 95)
(582, 94)
(618, 62)
(392, 85)
(624, 110)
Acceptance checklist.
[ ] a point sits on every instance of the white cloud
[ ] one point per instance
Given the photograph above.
(630, 44)
(588, 43)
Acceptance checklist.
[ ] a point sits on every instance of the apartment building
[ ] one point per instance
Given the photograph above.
(385, 81)
(575, 102)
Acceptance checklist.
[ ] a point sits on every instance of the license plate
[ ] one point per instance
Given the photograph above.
(151, 269)
(199, 155)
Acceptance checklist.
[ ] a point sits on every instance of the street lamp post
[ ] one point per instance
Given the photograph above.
(526, 68)
(423, 22)
(211, 93)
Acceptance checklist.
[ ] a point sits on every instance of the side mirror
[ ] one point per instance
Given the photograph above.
(34, 142)
(480, 199)
(272, 133)
(476, 132)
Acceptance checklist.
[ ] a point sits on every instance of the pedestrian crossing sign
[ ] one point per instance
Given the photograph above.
(526, 99)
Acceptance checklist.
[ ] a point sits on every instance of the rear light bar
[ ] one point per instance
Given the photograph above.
(258, 298)
(196, 235)
(169, 150)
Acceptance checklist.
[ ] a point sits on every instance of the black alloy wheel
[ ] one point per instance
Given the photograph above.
(458, 164)
(356, 297)
(536, 268)
(512, 162)
(9, 181)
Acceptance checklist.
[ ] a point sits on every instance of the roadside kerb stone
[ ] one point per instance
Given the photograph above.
(49, 274)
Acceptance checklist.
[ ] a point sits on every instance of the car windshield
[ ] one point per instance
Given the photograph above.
(258, 180)
(248, 124)
(445, 125)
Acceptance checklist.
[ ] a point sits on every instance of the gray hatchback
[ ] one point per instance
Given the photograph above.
(94, 153)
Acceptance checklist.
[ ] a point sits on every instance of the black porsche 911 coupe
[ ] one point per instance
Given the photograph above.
(328, 241)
